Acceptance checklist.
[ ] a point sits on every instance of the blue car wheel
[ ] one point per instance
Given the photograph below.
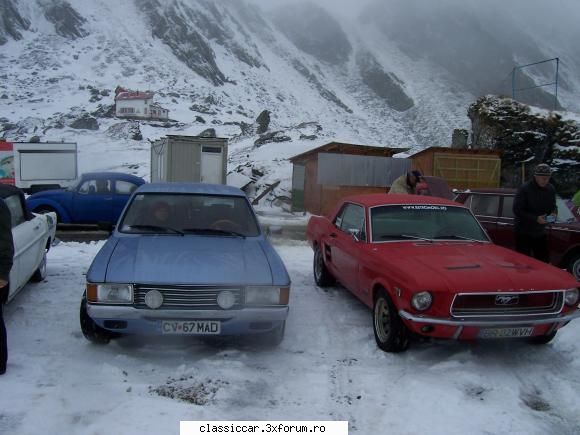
(93, 332)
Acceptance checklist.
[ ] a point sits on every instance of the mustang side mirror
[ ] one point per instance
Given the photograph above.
(355, 234)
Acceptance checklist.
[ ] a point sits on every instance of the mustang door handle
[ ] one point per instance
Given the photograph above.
(333, 235)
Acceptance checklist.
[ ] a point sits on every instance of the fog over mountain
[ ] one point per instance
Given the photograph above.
(390, 73)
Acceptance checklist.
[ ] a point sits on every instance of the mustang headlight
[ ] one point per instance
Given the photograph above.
(265, 295)
(571, 296)
(110, 293)
(421, 301)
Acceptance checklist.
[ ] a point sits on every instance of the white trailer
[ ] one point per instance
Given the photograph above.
(35, 166)
(190, 159)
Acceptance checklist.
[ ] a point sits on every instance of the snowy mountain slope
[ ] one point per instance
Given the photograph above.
(373, 77)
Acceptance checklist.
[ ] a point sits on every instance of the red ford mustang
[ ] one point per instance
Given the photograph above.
(426, 266)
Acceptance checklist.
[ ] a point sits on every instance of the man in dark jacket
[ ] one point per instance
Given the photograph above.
(534, 208)
(6, 256)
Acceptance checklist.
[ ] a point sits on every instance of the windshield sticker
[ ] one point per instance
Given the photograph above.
(424, 207)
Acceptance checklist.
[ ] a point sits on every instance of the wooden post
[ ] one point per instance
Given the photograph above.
(265, 192)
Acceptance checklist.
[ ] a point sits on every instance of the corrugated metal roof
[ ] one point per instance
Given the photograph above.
(348, 148)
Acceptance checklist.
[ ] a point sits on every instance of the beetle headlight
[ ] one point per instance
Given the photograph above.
(110, 293)
(265, 295)
(421, 301)
(571, 296)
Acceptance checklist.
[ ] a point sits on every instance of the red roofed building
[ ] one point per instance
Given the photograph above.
(136, 104)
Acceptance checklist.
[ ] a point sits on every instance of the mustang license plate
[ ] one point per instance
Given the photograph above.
(505, 332)
(198, 327)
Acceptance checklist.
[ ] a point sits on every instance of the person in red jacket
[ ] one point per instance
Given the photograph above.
(6, 257)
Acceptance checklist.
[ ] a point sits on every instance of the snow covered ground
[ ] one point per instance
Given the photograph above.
(327, 368)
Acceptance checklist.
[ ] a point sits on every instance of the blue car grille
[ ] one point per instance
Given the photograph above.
(186, 297)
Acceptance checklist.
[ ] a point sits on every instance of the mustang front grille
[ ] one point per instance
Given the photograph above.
(507, 304)
(186, 297)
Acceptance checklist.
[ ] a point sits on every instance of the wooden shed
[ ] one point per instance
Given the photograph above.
(330, 172)
(462, 168)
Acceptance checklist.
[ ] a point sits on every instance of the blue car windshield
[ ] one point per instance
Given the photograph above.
(424, 222)
(177, 213)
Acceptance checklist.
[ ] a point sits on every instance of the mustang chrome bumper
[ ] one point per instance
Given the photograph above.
(495, 321)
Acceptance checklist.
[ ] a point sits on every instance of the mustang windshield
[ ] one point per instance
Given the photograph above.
(210, 215)
(424, 222)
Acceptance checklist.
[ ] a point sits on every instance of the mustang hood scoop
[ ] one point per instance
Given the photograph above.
(466, 266)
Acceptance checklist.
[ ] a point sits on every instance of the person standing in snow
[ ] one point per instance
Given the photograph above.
(535, 207)
(406, 183)
(6, 257)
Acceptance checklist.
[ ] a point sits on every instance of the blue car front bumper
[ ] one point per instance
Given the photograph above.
(130, 320)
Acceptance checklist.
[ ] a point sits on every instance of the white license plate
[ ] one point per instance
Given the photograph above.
(505, 332)
(197, 327)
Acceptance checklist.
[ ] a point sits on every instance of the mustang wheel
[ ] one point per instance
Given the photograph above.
(40, 273)
(574, 266)
(93, 332)
(322, 275)
(391, 334)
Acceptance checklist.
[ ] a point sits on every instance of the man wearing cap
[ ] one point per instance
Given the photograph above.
(406, 183)
(535, 207)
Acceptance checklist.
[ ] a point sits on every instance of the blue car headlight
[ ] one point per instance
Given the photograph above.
(110, 293)
(267, 295)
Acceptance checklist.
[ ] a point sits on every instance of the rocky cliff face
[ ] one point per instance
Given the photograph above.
(173, 26)
(11, 22)
(67, 21)
(477, 46)
(526, 139)
(314, 31)
(384, 84)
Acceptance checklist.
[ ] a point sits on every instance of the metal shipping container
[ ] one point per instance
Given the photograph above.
(189, 158)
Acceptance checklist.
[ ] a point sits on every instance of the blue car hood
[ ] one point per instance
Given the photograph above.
(189, 260)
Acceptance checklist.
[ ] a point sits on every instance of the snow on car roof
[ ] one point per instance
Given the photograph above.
(199, 188)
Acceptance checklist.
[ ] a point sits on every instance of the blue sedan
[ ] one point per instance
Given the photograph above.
(186, 259)
(95, 197)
